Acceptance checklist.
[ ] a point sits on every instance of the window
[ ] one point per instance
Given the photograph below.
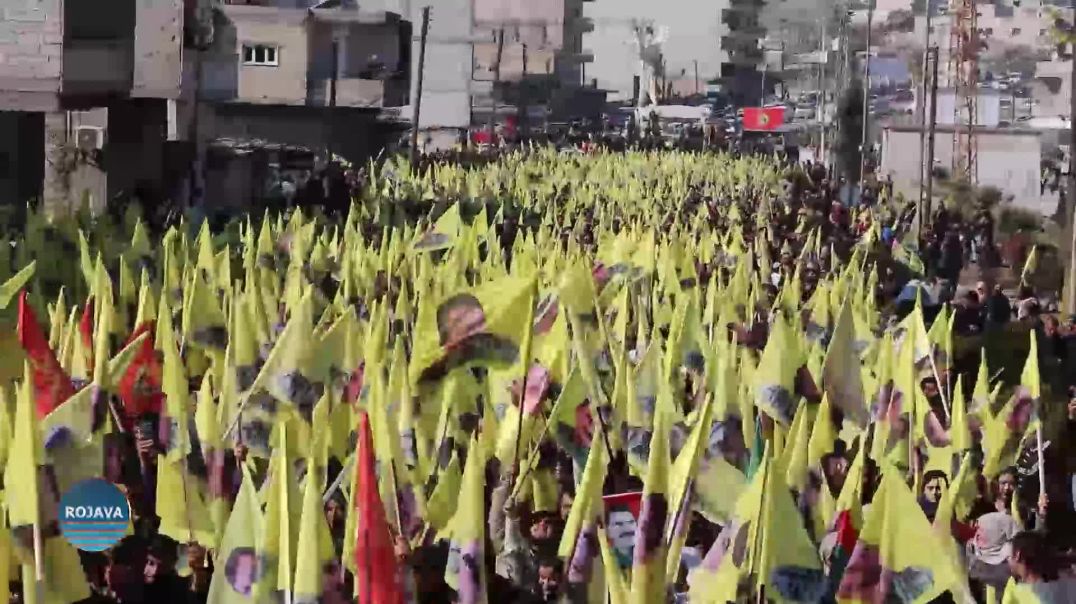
(1015, 31)
(1042, 33)
(260, 54)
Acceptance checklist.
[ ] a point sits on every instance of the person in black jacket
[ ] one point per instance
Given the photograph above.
(123, 575)
(163, 584)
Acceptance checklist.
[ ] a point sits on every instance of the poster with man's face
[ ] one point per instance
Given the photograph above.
(622, 523)
(465, 338)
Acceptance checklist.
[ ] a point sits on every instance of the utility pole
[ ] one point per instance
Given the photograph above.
(496, 82)
(416, 103)
(696, 63)
(330, 108)
(1068, 298)
(925, 165)
(523, 99)
(765, 68)
(821, 100)
(928, 197)
(839, 73)
(866, 98)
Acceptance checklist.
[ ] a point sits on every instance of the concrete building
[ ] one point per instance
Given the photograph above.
(1052, 88)
(542, 57)
(1001, 27)
(123, 95)
(60, 59)
(710, 38)
(447, 77)
(1008, 159)
(743, 54)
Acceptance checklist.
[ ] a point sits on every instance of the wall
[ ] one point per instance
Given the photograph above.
(516, 11)
(284, 28)
(540, 61)
(158, 50)
(1007, 159)
(552, 32)
(31, 54)
(987, 111)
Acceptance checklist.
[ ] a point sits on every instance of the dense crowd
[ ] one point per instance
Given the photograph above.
(635, 377)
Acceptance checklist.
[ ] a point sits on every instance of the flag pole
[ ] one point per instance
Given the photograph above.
(395, 499)
(526, 360)
(235, 420)
(186, 501)
(941, 390)
(1042, 465)
(39, 562)
(338, 481)
(534, 451)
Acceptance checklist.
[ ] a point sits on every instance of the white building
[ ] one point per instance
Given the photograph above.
(988, 108)
(1007, 158)
(693, 30)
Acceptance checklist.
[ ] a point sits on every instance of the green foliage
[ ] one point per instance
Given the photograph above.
(1013, 220)
(989, 197)
(1062, 32)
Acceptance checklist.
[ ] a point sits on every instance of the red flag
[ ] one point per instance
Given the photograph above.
(632, 502)
(847, 534)
(375, 557)
(763, 118)
(140, 386)
(52, 386)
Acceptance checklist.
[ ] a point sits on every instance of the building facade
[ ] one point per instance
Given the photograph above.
(447, 77)
(129, 95)
(1008, 158)
(702, 41)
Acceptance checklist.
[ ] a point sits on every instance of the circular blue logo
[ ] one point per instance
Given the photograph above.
(94, 515)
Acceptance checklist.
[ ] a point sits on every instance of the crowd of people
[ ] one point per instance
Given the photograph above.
(625, 378)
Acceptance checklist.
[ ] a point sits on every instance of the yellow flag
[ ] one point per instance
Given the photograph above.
(488, 326)
(281, 522)
(239, 550)
(25, 457)
(916, 570)
(776, 373)
(466, 569)
(650, 553)
(314, 546)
